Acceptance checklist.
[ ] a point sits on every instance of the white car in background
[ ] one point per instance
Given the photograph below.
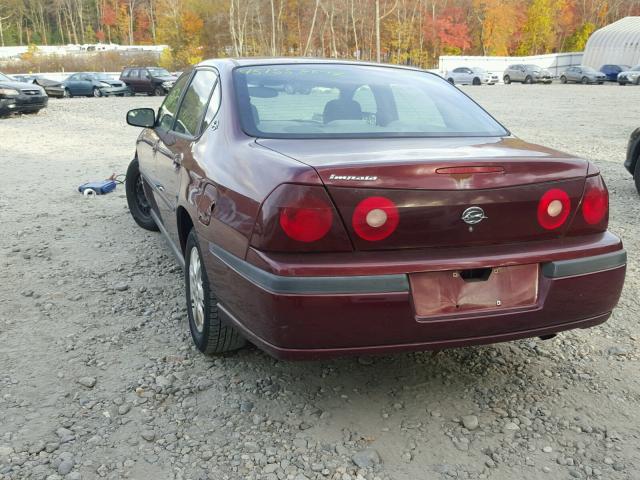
(630, 76)
(471, 76)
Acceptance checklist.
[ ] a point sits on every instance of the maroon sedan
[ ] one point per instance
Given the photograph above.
(323, 208)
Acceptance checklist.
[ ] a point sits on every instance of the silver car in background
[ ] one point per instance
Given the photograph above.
(526, 74)
(582, 75)
(630, 76)
(471, 76)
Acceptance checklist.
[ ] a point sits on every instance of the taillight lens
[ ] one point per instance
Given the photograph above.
(553, 209)
(307, 223)
(299, 218)
(375, 218)
(595, 203)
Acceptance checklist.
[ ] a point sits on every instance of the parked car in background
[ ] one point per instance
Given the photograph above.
(584, 75)
(25, 78)
(471, 76)
(526, 73)
(612, 71)
(149, 80)
(52, 87)
(630, 76)
(383, 211)
(632, 162)
(20, 97)
(90, 84)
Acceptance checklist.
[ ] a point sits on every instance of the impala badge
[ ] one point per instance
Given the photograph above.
(473, 215)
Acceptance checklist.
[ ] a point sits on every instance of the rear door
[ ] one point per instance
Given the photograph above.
(75, 85)
(175, 148)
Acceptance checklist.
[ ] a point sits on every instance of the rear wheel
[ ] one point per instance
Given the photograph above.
(585, 80)
(528, 79)
(507, 79)
(139, 205)
(97, 92)
(476, 81)
(563, 79)
(209, 333)
(451, 81)
(158, 91)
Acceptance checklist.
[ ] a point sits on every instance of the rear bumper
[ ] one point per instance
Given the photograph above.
(309, 316)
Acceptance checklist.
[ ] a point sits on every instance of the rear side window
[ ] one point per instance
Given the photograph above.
(167, 111)
(214, 106)
(195, 102)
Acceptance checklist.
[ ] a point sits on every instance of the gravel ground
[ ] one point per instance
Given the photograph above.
(98, 378)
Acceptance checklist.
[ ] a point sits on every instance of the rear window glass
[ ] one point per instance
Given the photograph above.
(351, 101)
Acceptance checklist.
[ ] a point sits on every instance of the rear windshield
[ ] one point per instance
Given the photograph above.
(354, 101)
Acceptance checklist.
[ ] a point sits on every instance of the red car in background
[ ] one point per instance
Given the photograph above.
(323, 208)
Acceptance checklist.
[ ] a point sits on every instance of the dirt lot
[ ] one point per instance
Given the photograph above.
(98, 378)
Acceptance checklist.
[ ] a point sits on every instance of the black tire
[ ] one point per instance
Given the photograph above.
(209, 333)
(476, 81)
(636, 175)
(451, 81)
(584, 80)
(622, 84)
(97, 92)
(139, 205)
(66, 93)
(563, 79)
(507, 79)
(528, 79)
(159, 91)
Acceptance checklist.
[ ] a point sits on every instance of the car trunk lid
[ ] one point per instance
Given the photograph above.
(433, 182)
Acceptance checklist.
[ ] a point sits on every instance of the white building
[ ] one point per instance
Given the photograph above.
(617, 43)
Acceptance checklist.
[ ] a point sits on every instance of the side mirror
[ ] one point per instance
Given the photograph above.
(141, 117)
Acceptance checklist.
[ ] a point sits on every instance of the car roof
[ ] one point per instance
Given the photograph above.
(254, 61)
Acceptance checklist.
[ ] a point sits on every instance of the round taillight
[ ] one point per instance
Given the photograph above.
(553, 209)
(595, 204)
(375, 218)
(308, 223)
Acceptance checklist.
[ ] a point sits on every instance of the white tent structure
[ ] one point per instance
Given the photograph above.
(617, 43)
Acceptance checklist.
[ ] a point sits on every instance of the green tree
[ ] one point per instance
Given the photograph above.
(577, 41)
(539, 32)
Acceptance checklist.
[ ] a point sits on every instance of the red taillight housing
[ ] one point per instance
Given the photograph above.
(308, 222)
(553, 209)
(593, 216)
(299, 218)
(375, 218)
(595, 202)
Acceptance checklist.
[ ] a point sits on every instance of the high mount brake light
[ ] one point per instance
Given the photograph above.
(375, 218)
(553, 209)
(595, 203)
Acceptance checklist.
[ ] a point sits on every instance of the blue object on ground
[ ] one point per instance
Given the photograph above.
(97, 188)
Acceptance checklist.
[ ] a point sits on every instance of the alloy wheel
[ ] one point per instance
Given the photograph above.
(196, 289)
(141, 198)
